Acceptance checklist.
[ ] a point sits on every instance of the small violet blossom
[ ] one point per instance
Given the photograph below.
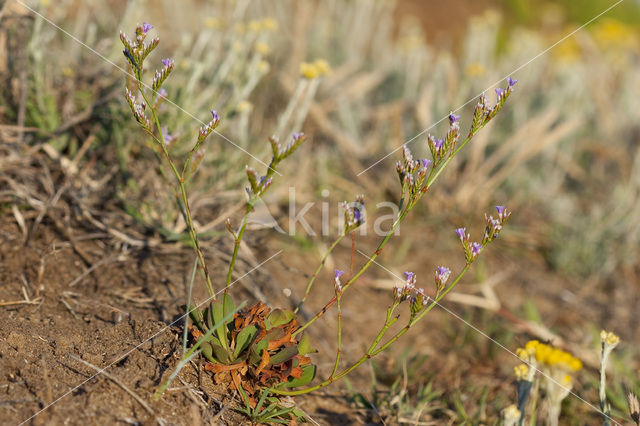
(337, 273)
(167, 62)
(442, 275)
(146, 27)
(475, 249)
(511, 82)
(453, 118)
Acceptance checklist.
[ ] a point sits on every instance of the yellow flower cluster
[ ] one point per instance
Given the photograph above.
(521, 371)
(612, 32)
(608, 338)
(550, 356)
(315, 69)
(256, 26)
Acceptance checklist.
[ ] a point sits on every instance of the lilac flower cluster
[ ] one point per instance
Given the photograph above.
(280, 152)
(471, 248)
(484, 113)
(136, 51)
(138, 109)
(258, 185)
(412, 173)
(354, 214)
(160, 76)
(337, 273)
(416, 296)
(442, 275)
(494, 226)
(442, 148)
(209, 127)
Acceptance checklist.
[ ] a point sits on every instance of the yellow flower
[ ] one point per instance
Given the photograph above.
(521, 371)
(322, 66)
(269, 24)
(263, 67)
(213, 23)
(262, 48)
(608, 338)
(550, 356)
(613, 32)
(255, 25)
(511, 415)
(244, 106)
(309, 71)
(475, 69)
(237, 46)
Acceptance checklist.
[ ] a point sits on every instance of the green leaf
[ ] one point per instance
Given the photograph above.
(216, 309)
(207, 351)
(244, 339)
(256, 352)
(279, 317)
(221, 353)
(274, 334)
(284, 355)
(229, 306)
(308, 373)
(304, 345)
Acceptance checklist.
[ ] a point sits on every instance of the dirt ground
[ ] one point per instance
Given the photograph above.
(80, 296)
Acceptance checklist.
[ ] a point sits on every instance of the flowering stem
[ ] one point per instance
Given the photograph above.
(236, 244)
(351, 280)
(317, 271)
(423, 312)
(375, 349)
(186, 212)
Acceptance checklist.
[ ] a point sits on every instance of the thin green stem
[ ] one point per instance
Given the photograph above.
(236, 243)
(374, 349)
(351, 280)
(338, 298)
(183, 194)
(317, 271)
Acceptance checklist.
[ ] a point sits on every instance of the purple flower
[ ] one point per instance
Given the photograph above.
(442, 275)
(167, 62)
(408, 276)
(167, 137)
(146, 27)
(438, 144)
(511, 82)
(500, 210)
(214, 115)
(499, 92)
(357, 216)
(426, 163)
(162, 93)
(337, 273)
(297, 135)
(475, 249)
(453, 118)
(462, 233)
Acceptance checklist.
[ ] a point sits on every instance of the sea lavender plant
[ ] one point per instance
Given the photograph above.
(260, 351)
